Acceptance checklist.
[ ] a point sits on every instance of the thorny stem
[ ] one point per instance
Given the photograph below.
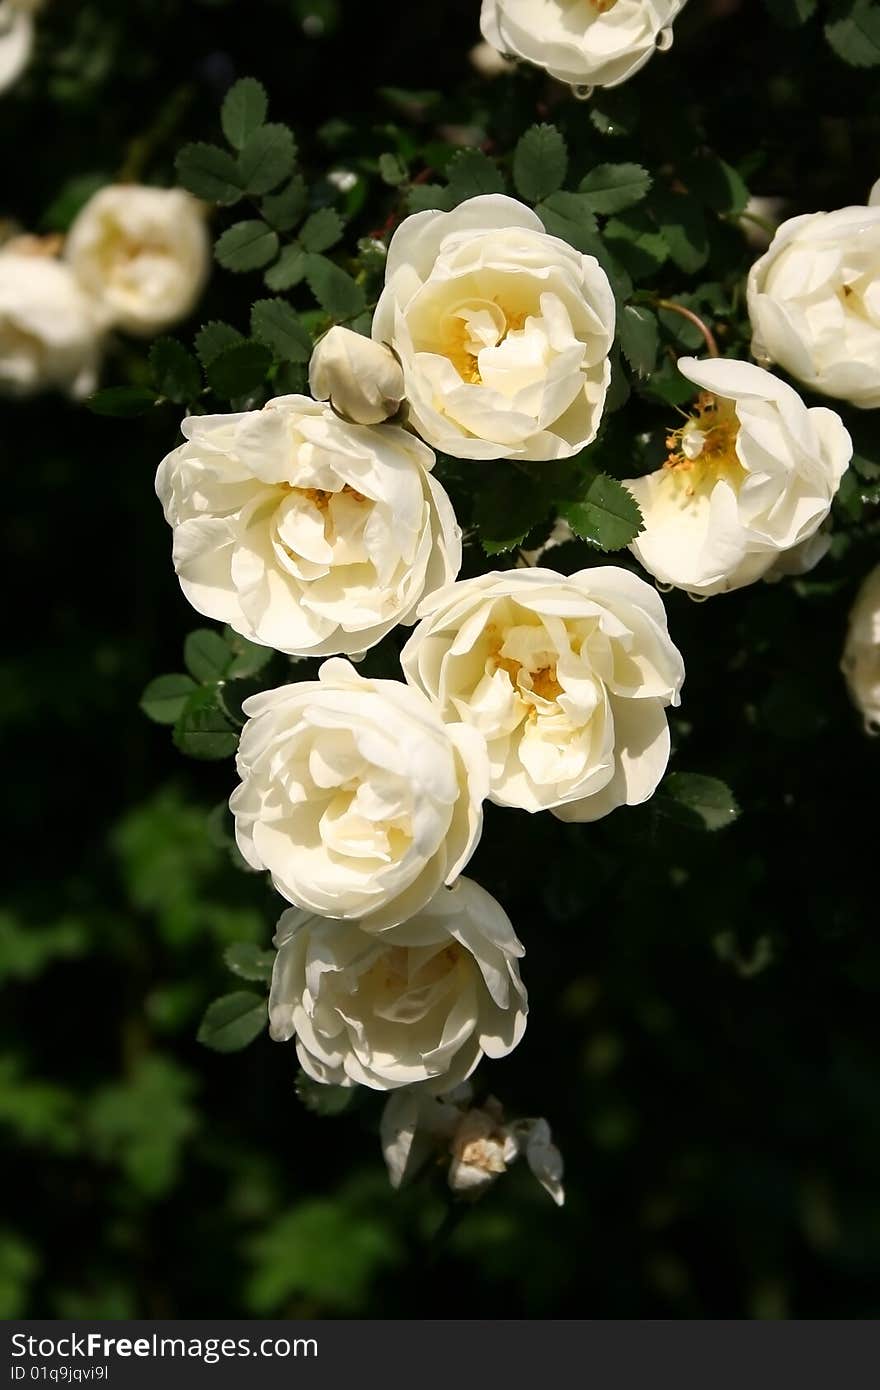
(693, 318)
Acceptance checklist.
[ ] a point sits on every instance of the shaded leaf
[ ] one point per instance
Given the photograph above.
(239, 369)
(336, 292)
(288, 270)
(607, 517)
(610, 188)
(267, 158)
(471, 173)
(233, 1021)
(540, 163)
(248, 961)
(689, 798)
(206, 655)
(639, 338)
(165, 698)
(213, 337)
(203, 730)
(175, 371)
(321, 230)
(246, 246)
(275, 324)
(123, 402)
(210, 173)
(283, 210)
(243, 111)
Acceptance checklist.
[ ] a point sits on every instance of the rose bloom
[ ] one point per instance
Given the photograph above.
(752, 474)
(355, 796)
(814, 303)
(16, 38)
(861, 654)
(477, 1141)
(597, 43)
(50, 334)
(423, 1002)
(503, 332)
(567, 679)
(305, 533)
(361, 379)
(143, 252)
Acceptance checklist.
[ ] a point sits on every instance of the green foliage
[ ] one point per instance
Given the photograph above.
(175, 371)
(123, 402)
(244, 110)
(247, 960)
(141, 1125)
(472, 173)
(238, 370)
(247, 246)
(639, 338)
(690, 799)
(540, 163)
(853, 31)
(608, 516)
(611, 188)
(233, 1021)
(164, 699)
(275, 324)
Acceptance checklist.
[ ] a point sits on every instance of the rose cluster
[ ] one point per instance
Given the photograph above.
(316, 525)
(135, 259)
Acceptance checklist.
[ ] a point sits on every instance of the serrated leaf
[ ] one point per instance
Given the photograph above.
(239, 369)
(164, 699)
(213, 338)
(607, 517)
(283, 210)
(428, 197)
(540, 163)
(637, 242)
(175, 371)
(243, 111)
(703, 803)
(202, 730)
(248, 961)
(681, 220)
(568, 216)
(233, 1021)
(639, 338)
(321, 230)
(275, 324)
(248, 658)
(206, 655)
(209, 173)
(853, 31)
(392, 170)
(509, 503)
(472, 173)
(266, 159)
(322, 1099)
(336, 292)
(610, 188)
(288, 270)
(246, 246)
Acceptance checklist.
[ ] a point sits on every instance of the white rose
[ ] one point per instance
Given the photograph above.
(355, 796)
(305, 533)
(16, 38)
(752, 473)
(861, 654)
(423, 1002)
(50, 335)
(567, 679)
(478, 1142)
(143, 252)
(595, 43)
(361, 379)
(814, 303)
(503, 332)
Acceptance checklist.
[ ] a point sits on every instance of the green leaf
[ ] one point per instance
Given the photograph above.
(540, 163)
(248, 657)
(429, 197)
(233, 1021)
(568, 216)
(206, 655)
(246, 246)
(288, 270)
(681, 220)
(322, 1099)
(321, 230)
(715, 183)
(276, 325)
(608, 516)
(213, 338)
(210, 173)
(688, 798)
(165, 698)
(610, 188)
(283, 210)
(639, 338)
(202, 730)
(853, 31)
(336, 292)
(239, 369)
(791, 13)
(637, 243)
(175, 371)
(244, 111)
(248, 961)
(266, 159)
(471, 173)
(509, 503)
(392, 170)
(123, 402)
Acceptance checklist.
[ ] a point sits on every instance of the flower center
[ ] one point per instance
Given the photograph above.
(473, 328)
(535, 676)
(704, 449)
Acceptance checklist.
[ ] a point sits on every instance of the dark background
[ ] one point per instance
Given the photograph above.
(703, 1036)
